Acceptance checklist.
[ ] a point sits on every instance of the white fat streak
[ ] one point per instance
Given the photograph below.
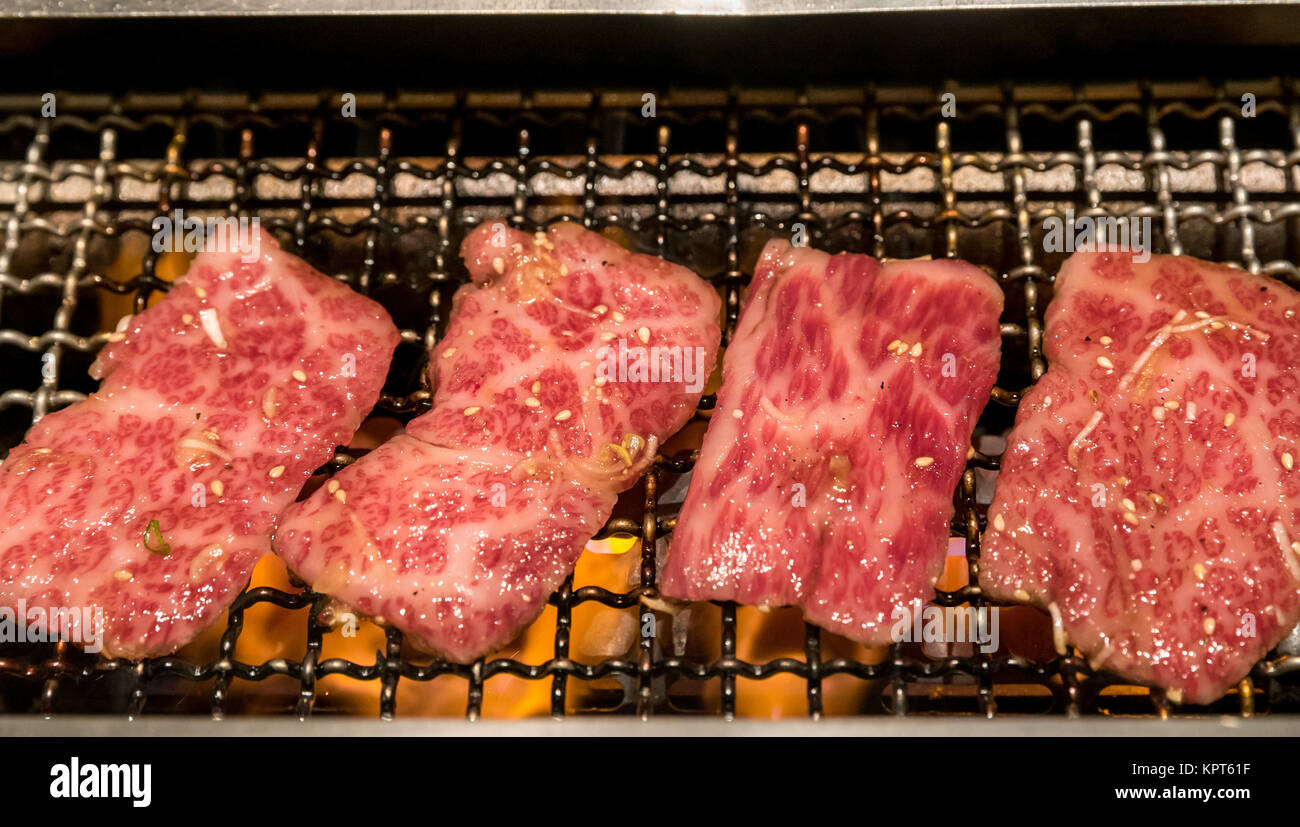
(123, 323)
(1098, 660)
(201, 565)
(1093, 422)
(1127, 379)
(200, 445)
(269, 403)
(1223, 320)
(1288, 554)
(212, 327)
(1058, 630)
(659, 604)
(772, 411)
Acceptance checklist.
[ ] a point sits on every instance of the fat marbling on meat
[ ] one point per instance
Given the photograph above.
(826, 477)
(1148, 495)
(153, 498)
(458, 531)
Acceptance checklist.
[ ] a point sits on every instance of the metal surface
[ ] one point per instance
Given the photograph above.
(89, 726)
(747, 8)
(382, 200)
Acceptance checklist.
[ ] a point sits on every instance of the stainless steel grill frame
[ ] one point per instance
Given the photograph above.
(381, 201)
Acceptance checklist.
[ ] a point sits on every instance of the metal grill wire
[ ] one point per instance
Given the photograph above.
(874, 142)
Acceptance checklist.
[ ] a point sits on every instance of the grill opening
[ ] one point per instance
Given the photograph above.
(382, 200)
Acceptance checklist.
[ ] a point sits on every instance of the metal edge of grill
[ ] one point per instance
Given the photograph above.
(877, 169)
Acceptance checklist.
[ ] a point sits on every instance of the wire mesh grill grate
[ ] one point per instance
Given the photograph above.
(381, 201)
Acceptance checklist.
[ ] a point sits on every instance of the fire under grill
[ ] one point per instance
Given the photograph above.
(381, 200)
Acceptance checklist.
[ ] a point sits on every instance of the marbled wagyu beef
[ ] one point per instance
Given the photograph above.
(546, 406)
(1149, 497)
(153, 498)
(826, 477)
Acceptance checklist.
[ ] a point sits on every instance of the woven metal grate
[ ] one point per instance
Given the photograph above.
(381, 200)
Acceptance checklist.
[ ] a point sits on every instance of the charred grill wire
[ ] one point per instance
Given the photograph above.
(382, 200)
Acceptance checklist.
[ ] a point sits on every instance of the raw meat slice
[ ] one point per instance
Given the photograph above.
(457, 547)
(1149, 494)
(154, 497)
(458, 531)
(848, 399)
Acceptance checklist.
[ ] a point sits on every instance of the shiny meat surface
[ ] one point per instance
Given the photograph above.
(153, 498)
(826, 476)
(1148, 497)
(458, 531)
